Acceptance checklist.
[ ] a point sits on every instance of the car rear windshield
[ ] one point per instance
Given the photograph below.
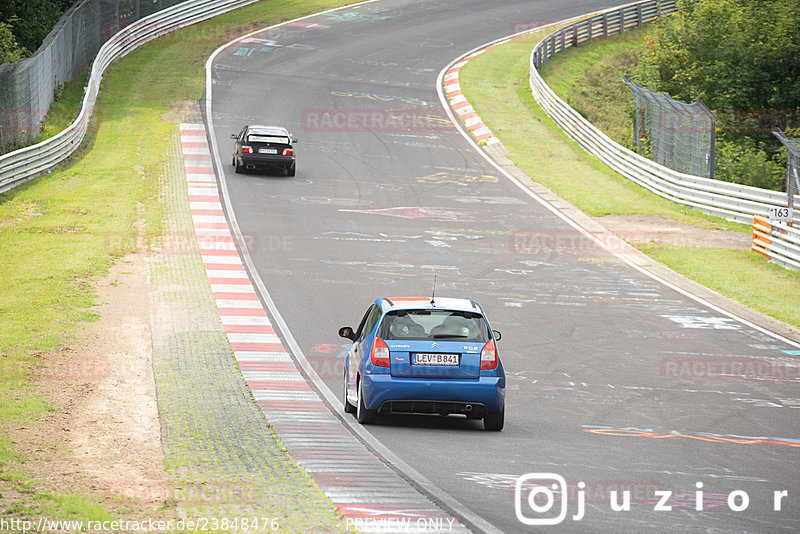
(253, 138)
(434, 324)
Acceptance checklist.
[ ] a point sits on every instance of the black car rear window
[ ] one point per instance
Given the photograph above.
(434, 325)
(255, 138)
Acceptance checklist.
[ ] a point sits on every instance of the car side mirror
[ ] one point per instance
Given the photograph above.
(347, 333)
(497, 335)
(294, 139)
(234, 136)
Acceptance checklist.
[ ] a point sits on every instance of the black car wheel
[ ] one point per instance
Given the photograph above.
(363, 415)
(494, 420)
(236, 167)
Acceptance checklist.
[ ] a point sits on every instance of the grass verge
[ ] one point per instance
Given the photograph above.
(496, 84)
(589, 78)
(63, 231)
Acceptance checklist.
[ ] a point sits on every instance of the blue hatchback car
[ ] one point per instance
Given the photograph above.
(417, 355)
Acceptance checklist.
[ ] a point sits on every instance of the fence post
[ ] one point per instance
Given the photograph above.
(713, 149)
(792, 166)
(605, 24)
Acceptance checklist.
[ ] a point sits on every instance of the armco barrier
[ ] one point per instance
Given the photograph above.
(21, 165)
(728, 200)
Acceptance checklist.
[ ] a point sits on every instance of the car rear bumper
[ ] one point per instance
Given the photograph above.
(267, 160)
(420, 395)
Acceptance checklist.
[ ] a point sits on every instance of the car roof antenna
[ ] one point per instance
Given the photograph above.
(433, 294)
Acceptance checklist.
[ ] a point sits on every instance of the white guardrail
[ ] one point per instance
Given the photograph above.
(731, 201)
(21, 165)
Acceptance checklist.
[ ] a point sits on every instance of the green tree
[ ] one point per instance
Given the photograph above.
(10, 51)
(742, 59)
(731, 54)
(32, 20)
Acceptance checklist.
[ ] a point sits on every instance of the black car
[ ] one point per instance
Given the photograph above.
(264, 147)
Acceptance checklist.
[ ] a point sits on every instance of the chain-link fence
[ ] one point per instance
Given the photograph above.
(792, 145)
(27, 87)
(673, 133)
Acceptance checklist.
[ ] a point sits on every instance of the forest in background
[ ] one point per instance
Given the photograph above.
(741, 58)
(24, 24)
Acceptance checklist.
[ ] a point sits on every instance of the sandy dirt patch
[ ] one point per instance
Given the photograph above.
(664, 230)
(105, 437)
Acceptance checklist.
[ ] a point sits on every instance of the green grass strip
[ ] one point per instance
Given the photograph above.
(496, 84)
(62, 231)
(588, 78)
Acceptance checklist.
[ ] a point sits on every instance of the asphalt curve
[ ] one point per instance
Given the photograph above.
(607, 368)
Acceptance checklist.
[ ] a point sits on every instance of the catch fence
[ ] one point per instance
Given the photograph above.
(28, 87)
(672, 133)
(20, 165)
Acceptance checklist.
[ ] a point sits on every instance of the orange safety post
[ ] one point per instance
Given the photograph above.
(762, 232)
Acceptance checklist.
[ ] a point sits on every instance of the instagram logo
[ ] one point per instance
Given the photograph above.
(538, 493)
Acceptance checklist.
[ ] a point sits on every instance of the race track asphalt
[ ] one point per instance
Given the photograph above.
(605, 365)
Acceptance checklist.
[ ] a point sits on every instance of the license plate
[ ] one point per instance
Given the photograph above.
(423, 358)
(267, 150)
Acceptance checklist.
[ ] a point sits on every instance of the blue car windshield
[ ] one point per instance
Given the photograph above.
(434, 325)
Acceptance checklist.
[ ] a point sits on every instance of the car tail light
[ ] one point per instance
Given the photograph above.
(489, 356)
(247, 150)
(288, 152)
(380, 353)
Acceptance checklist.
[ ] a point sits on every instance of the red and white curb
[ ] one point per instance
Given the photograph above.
(371, 496)
(460, 105)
